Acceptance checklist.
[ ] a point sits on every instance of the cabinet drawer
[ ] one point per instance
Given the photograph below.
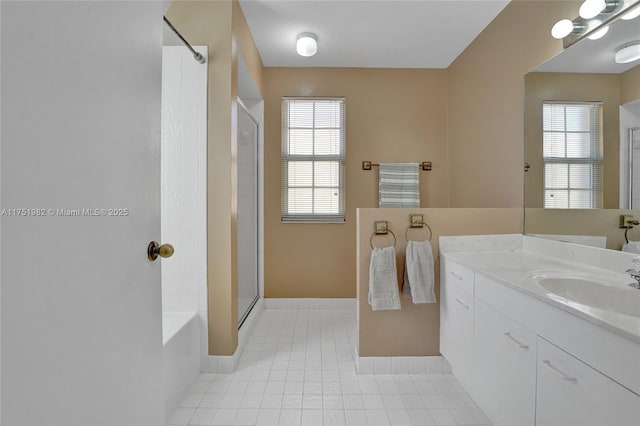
(570, 392)
(457, 274)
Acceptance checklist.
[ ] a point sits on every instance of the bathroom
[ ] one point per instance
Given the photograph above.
(81, 323)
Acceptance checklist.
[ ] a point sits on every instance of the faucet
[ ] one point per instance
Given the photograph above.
(635, 273)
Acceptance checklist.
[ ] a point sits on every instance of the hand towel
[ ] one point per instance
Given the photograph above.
(399, 185)
(632, 247)
(418, 273)
(383, 280)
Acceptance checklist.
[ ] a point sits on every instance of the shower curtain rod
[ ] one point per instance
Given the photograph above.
(197, 56)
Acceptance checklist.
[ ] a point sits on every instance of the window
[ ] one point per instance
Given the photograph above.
(572, 151)
(313, 149)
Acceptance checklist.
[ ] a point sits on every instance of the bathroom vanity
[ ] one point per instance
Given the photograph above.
(541, 332)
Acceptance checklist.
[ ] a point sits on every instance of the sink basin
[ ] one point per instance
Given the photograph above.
(593, 291)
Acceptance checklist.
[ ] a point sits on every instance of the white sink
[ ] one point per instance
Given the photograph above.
(590, 290)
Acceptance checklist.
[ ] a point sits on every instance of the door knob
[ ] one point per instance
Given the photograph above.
(154, 250)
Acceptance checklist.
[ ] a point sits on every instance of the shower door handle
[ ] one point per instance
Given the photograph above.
(154, 250)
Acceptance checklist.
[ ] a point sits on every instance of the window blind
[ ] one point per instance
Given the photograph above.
(572, 151)
(313, 152)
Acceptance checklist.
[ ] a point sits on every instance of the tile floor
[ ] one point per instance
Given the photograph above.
(298, 370)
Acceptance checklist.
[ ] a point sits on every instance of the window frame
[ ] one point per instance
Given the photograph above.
(286, 158)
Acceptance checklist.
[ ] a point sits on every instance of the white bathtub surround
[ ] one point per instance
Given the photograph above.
(181, 354)
(183, 184)
(543, 354)
(297, 369)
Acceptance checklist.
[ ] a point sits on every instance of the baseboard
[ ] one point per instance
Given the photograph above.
(401, 364)
(226, 364)
(309, 303)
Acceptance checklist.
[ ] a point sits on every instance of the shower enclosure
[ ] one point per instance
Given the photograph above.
(248, 213)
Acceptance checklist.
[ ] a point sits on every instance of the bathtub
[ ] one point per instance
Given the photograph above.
(181, 352)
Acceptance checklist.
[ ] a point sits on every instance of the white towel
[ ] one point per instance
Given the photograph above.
(418, 273)
(383, 280)
(632, 247)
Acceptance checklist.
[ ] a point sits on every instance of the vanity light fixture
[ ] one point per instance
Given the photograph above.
(628, 52)
(591, 8)
(632, 14)
(595, 17)
(307, 44)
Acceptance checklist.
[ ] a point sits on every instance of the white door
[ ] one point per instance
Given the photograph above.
(80, 134)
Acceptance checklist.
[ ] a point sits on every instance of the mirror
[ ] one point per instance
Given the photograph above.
(581, 109)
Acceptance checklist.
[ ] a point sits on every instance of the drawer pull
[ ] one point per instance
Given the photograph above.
(456, 276)
(514, 340)
(464, 305)
(558, 372)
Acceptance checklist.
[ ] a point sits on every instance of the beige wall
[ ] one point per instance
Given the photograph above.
(596, 222)
(414, 330)
(540, 87)
(394, 115)
(630, 85)
(220, 26)
(486, 98)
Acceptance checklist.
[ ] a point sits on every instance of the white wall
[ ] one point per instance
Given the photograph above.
(81, 337)
(184, 180)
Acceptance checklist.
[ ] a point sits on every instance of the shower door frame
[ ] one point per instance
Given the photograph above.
(631, 132)
(244, 316)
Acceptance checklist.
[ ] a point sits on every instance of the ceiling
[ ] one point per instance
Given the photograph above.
(596, 56)
(368, 33)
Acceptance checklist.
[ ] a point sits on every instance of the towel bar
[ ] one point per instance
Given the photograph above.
(424, 166)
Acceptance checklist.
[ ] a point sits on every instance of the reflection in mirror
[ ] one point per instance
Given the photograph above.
(582, 140)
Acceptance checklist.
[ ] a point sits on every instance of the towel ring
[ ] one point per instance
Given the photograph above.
(374, 234)
(626, 229)
(406, 232)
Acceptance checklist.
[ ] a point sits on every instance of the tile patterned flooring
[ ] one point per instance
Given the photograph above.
(298, 370)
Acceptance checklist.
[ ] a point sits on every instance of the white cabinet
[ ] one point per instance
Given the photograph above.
(497, 340)
(505, 374)
(456, 318)
(570, 392)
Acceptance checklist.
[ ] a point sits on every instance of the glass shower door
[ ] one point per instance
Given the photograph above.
(247, 212)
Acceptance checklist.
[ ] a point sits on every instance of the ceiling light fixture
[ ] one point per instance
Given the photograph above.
(591, 8)
(307, 44)
(562, 28)
(628, 52)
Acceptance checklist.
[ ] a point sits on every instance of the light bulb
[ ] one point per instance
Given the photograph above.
(591, 8)
(562, 28)
(307, 44)
(633, 13)
(598, 33)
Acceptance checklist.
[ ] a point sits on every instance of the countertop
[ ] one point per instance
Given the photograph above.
(514, 269)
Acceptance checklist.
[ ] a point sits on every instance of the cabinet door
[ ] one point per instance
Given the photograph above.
(456, 329)
(504, 382)
(570, 392)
